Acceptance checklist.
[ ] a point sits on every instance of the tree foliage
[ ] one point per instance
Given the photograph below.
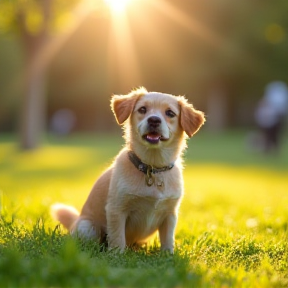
(34, 15)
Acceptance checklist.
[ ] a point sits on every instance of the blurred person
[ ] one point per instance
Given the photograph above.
(270, 115)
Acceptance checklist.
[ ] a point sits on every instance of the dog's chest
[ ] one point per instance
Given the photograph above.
(147, 213)
(150, 204)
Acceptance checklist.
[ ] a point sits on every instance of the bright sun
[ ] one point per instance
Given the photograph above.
(117, 5)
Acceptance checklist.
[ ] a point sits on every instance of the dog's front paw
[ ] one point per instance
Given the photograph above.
(116, 249)
(169, 250)
(117, 244)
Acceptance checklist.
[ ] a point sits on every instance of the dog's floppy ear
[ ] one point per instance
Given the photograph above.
(123, 105)
(190, 119)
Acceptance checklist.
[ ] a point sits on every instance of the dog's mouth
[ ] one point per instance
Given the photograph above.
(154, 138)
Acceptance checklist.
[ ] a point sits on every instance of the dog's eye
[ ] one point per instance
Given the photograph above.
(170, 113)
(142, 110)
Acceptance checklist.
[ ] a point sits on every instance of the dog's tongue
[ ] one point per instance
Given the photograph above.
(153, 138)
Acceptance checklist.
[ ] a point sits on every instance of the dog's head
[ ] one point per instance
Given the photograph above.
(156, 118)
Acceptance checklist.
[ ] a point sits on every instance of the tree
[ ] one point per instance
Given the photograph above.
(33, 21)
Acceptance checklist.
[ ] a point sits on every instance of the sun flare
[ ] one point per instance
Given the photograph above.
(117, 6)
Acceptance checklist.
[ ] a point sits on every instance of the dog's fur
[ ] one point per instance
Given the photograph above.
(121, 205)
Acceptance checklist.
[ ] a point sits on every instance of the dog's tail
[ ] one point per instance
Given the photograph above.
(65, 214)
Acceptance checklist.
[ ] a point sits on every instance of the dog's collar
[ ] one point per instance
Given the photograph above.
(145, 168)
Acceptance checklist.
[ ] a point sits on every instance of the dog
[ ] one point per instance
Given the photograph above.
(140, 193)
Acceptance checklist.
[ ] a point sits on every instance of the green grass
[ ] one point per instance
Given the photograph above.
(232, 229)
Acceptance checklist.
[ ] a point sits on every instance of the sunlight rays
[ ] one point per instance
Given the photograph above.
(117, 6)
(188, 22)
(123, 58)
(146, 17)
(45, 55)
(143, 17)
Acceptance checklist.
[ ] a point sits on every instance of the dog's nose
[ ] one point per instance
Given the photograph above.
(154, 121)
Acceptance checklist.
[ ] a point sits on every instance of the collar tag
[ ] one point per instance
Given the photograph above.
(149, 171)
(149, 176)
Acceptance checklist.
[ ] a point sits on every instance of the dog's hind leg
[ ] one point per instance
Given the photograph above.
(84, 228)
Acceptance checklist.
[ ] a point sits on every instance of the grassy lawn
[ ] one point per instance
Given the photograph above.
(232, 229)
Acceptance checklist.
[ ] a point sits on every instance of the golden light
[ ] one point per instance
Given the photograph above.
(186, 21)
(117, 6)
(121, 48)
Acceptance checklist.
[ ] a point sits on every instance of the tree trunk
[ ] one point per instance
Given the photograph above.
(33, 110)
(33, 104)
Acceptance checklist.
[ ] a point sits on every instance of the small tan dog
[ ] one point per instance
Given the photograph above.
(141, 192)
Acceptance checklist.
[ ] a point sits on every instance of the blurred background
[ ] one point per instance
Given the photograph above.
(60, 61)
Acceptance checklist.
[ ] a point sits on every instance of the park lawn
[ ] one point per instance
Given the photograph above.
(232, 229)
